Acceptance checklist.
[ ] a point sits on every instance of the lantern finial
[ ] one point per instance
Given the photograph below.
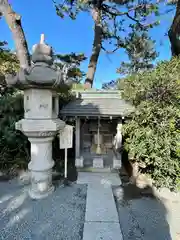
(42, 39)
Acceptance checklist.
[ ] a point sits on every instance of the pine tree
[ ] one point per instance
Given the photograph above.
(141, 53)
(114, 23)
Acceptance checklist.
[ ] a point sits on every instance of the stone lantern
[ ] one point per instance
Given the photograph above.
(41, 123)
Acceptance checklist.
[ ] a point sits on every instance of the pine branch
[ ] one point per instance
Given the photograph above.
(136, 20)
(116, 13)
(110, 52)
(14, 22)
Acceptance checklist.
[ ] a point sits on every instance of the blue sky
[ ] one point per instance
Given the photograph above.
(65, 35)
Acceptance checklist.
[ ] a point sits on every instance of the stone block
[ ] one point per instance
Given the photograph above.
(98, 162)
(40, 104)
(97, 194)
(79, 162)
(102, 230)
(117, 163)
(40, 128)
(105, 179)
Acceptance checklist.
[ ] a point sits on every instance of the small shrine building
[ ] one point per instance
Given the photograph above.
(98, 115)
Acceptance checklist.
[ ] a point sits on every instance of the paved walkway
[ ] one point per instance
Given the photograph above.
(87, 211)
(101, 217)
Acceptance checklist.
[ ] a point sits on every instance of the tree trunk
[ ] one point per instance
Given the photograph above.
(174, 32)
(14, 22)
(96, 14)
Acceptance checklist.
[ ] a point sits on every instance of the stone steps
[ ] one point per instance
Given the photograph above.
(98, 170)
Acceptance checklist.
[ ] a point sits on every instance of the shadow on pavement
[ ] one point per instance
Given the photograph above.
(59, 216)
(141, 215)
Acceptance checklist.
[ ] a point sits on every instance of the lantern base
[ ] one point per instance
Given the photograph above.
(98, 162)
(39, 195)
(79, 162)
(116, 163)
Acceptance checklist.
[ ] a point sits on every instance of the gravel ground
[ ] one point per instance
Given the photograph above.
(145, 218)
(60, 216)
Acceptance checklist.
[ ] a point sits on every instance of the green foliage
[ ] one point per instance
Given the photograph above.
(153, 134)
(13, 144)
(8, 60)
(73, 62)
(110, 85)
(141, 52)
(14, 151)
(8, 65)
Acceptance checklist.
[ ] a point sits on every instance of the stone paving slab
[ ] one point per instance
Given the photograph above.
(101, 218)
(100, 204)
(102, 231)
(107, 179)
(60, 216)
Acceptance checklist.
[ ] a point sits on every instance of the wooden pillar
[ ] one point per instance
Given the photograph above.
(79, 159)
(118, 144)
(77, 137)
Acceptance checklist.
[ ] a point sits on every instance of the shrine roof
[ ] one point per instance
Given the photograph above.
(97, 103)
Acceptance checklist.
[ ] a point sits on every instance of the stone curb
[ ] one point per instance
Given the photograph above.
(166, 194)
(142, 181)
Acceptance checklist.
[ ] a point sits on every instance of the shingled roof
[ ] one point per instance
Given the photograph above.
(97, 103)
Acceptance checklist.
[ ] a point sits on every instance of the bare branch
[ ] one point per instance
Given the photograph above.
(110, 52)
(136, 20)
(115, 12)
(14, 22)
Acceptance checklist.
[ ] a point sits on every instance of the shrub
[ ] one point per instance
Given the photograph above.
(153, 133)
(14, 151)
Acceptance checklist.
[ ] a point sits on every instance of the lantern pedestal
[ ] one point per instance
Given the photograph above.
(41, 163)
